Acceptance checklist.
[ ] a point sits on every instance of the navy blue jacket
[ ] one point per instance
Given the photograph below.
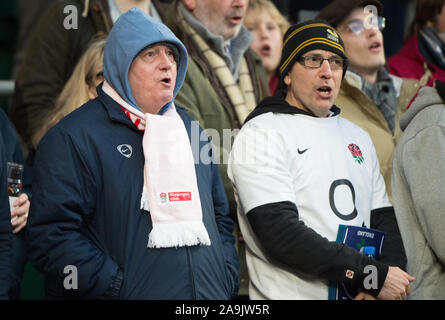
(9, 137)
(86, 213)
(5, 229)
(13, 153)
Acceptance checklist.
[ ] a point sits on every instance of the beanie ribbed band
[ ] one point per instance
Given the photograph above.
(307, 36)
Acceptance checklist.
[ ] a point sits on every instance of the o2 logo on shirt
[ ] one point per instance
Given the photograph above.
(335, 185)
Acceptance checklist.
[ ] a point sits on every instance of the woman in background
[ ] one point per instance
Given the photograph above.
(80, 87)
(422, 56)
(268, 26)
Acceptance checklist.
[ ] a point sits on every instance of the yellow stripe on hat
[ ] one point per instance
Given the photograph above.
(313, 25)
(307, 43)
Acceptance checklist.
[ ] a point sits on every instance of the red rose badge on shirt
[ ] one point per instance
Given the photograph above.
(356, 153)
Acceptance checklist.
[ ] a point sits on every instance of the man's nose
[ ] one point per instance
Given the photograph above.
(240, 3)
(371, 32)
(325, 70)
(167, 60)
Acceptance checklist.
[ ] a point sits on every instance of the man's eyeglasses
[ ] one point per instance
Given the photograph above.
(374, 22)
(314, 62)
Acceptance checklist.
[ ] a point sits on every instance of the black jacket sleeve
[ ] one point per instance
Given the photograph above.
(393, 251)
(5, 230)
(13, 151)
(290, 242)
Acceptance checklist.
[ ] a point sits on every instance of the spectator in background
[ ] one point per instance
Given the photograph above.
(19, 213)
(267, 26)
(422, 56)
(80, 88)
(225, 78)
(117, 192)
(57, 43)
(369, 97)
(418, 182)
(5, 230)
(29, 13)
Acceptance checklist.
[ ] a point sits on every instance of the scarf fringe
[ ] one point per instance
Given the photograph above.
(144, 200)
(178, 234)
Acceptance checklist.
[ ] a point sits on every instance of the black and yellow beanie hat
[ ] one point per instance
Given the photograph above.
(307, 36)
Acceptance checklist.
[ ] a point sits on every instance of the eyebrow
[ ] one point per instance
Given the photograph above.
(154, 47)
(354, 20)
(320, 55)
(144, 50)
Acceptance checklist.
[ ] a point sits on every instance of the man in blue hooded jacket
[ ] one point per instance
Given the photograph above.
(123, 206)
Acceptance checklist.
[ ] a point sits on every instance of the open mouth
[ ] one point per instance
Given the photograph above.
(265, 50)
(166, 80)
(325, 91)
(236, 19)
(375, 45)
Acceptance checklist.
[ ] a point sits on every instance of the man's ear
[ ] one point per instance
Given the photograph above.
(189, 4)
(286, 80)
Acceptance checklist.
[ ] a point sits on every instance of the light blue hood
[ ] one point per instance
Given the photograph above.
(132, 32)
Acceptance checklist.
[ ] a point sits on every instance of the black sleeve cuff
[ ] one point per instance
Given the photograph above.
(393, 251)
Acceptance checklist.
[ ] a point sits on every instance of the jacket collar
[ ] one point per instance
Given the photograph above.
(357, 81)
(113, 109)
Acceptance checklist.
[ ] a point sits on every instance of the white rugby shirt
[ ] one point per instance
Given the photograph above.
(327, 167)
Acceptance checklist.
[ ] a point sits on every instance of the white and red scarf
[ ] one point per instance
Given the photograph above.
(170, 192)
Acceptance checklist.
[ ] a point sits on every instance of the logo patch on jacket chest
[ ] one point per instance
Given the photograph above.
(125, 149)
